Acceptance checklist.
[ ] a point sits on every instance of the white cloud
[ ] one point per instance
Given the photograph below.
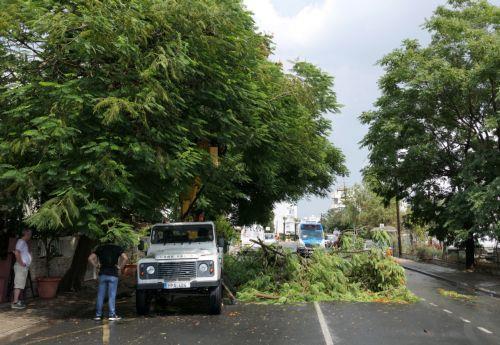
(344, 38)
(301, 29)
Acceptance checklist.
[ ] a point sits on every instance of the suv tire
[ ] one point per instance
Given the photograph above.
(142, 302)
(215, 299)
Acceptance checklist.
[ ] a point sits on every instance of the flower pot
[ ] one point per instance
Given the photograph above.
(47, 286)
(129, 270)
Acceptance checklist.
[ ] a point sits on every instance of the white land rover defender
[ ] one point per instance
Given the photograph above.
(183, 258)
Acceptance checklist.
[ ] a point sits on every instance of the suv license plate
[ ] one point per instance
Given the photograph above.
(176, 285)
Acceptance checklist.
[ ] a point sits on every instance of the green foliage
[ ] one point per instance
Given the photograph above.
(381, 238)
(376, 272)
(261, 277)
(224, 229)
(350, 242)
(363, 210)
(434, 135)
(425, 252)
(115, 231)
(56, 213)
(103, 105)
(456, 295)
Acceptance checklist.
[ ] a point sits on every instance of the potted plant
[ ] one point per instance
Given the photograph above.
(130, 269)
(47, 286)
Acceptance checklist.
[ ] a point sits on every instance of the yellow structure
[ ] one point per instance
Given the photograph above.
(187, 199)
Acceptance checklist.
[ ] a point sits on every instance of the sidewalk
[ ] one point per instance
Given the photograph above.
(481, 282)
(41, 314)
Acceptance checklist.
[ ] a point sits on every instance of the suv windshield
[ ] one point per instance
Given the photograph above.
(182, 233)
(316, 234)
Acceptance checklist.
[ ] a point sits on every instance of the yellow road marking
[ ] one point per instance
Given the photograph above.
(105, 332)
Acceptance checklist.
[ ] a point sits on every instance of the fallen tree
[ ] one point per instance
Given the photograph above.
(274, 275)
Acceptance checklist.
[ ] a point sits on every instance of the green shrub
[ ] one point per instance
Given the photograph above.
(424, 252)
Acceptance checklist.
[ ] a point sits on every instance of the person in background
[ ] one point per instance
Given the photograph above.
(21, 268)
(110, 260)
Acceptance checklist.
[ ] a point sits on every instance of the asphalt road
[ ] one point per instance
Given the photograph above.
(434, 320)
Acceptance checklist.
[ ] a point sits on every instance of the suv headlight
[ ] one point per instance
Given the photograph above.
(147, 270)
(205, 268)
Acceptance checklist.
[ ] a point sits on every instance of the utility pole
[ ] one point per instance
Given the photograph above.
(398, 222)
(295, 228)
(284, 229)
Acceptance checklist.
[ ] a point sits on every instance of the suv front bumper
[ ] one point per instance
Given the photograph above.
(194, 285)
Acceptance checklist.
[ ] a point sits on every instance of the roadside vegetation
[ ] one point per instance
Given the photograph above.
(273, 275)
(456, 295)
(434, 133)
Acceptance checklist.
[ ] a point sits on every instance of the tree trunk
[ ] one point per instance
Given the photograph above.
(398, 224)
(73, 278)
(496, 252)
(469, 251)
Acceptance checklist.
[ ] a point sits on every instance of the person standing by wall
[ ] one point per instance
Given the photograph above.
(109, 259)
(21, 268)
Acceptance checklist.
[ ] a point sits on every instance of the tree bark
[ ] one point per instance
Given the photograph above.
(73, 279)
(469, 251)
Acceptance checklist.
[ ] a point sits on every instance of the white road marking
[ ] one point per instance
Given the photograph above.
(464, 320)
(434, 305)
(447, 311)
(324, 326)
(484, 330)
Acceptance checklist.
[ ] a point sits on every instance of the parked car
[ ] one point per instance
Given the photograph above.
(331, 240)
(184, 258)
(269, 238)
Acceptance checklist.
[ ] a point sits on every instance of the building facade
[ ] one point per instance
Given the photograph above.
(338, 196)
(285, 218)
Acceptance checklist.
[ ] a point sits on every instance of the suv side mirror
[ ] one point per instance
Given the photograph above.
(141, 245)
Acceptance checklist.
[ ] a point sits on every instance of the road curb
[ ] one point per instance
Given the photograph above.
(461, 285)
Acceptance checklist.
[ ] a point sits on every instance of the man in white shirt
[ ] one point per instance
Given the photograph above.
(21, 267)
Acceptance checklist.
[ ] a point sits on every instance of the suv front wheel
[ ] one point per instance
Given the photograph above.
(142, 302)
(216, 300)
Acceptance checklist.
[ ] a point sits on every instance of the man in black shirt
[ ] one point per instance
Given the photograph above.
(110, 259)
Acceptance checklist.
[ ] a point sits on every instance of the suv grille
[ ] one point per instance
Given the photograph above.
(177, 270)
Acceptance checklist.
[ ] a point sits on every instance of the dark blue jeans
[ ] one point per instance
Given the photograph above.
(111, 284)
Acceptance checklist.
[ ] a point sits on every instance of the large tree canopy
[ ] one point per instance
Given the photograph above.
(434, 135)
(103, 105)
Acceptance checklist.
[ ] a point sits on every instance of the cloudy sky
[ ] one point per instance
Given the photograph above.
(345, 38)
